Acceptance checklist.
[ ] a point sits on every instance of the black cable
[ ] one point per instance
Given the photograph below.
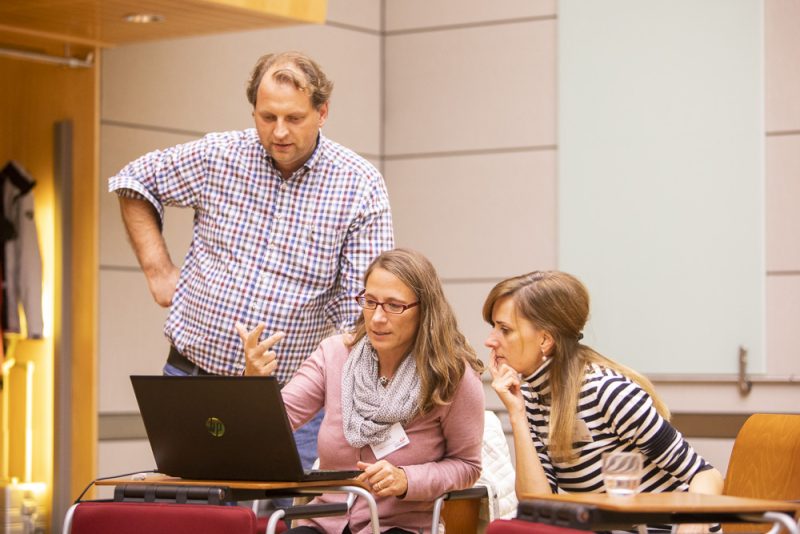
(92, 483)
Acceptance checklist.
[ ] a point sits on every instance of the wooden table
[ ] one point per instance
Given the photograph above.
(599, 511)
(150, 485)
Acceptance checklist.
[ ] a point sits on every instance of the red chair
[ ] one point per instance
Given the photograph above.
(102, 517)
(517, 526)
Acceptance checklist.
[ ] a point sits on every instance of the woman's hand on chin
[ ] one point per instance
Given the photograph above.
(259, 359)
(505, 382)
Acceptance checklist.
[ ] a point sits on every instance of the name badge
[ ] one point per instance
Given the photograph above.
(396, 439)
(582, 433)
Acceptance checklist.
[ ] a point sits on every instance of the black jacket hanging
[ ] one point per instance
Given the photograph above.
(21, 260)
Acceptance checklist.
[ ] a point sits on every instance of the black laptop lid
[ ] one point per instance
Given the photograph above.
(218, 428)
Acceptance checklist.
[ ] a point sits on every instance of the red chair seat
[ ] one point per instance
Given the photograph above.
(517, 526)
(136, 518)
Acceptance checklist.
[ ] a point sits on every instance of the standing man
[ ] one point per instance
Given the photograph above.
(286, 221)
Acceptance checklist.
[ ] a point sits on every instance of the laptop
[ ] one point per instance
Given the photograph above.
(222, 428)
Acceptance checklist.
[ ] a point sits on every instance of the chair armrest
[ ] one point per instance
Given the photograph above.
(305, 511)
(476, 492)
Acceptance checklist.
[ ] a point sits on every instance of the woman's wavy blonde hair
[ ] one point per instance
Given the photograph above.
(558, 303)
(441, 351)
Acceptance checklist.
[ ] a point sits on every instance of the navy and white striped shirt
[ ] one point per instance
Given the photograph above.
(290, 253)
(614, 414)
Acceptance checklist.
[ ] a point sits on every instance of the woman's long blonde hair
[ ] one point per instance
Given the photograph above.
(441, 350)
(558, 303)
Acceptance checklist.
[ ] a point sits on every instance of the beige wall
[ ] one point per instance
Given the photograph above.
(782, 124)
(466, 138)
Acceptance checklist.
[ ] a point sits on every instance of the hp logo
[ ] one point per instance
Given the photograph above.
(215, 427)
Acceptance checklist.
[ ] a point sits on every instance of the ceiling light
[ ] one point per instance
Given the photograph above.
(143, 18)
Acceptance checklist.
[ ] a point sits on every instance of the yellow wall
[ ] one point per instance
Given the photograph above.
(32, 98)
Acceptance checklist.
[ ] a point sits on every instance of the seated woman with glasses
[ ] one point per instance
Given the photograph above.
(402, 395)
(568, 404)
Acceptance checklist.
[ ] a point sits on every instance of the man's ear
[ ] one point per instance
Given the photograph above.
(323, 114)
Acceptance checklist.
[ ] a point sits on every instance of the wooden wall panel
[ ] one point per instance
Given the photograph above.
(35, 97)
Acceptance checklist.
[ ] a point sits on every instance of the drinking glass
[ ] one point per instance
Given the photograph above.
(622, 472)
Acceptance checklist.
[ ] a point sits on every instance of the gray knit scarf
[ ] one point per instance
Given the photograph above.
(368, 408)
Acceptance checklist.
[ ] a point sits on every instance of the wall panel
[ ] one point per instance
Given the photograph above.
(63, 451)
(661, 179)
(782, 69)
(783, 317)
(467, 298)
(477, 216)
(413, 15)
(122, 456)
(121, 145)
(364, 15)
(783, 199)
(782, 86)
(131, 339)
(452, 90)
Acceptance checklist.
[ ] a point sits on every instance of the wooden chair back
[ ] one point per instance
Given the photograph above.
(461, 515)
(765, 462)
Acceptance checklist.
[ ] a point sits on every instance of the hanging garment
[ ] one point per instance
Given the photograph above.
(22, 261)
(2, 345)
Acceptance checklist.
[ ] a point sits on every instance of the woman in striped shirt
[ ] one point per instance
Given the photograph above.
(568, 404)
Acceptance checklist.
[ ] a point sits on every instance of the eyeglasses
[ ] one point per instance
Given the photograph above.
(389, 307)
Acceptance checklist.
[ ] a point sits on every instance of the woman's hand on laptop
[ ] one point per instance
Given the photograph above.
(259, 358)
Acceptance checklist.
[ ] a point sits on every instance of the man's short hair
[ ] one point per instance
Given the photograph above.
(316, 84)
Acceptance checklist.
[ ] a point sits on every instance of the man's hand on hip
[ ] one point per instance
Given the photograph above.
(162, 285)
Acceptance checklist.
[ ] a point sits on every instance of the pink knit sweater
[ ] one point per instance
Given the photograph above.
(444, 452)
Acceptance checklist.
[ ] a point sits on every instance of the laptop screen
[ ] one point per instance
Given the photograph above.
(218, 428)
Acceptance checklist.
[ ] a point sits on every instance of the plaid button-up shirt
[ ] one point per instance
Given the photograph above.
(289, 253)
